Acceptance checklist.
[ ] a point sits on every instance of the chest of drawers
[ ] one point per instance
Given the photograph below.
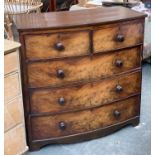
(81, 73)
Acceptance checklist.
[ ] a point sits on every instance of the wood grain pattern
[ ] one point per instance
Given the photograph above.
(85, 96)
(10, 62)
(11, 86)
(85, 136)
(78, 18)
(79, 28)
(42, 46)
(14, 141)
(88, 73)
(105, 38)
(42, 74)
(13, 113)
(48, 126)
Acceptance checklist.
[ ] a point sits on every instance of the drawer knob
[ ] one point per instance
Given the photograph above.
(60, 74)
(120, 38)
(116, 113)
(119, 88)
(59, 46)
(119, 63)
(62, 125)
(61, 101)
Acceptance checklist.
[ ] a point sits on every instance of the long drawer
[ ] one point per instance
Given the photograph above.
(57, 45)
(85, 96)
(83, 121)
(124, 34)
(58, 73)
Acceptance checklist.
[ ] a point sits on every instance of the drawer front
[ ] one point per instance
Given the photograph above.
(15, 141)
(85, 96)
(11, 62)
(83, 121)
(11, 87)
(122, 35)
(58, 73)
(57, 45)
(13, 113)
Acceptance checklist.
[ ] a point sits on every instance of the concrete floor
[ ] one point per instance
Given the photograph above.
(127, 141)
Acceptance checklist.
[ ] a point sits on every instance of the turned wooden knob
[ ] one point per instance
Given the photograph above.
(119, 63)
(120, 38)
(60, 74)
(116, 113)
(119, 88)
(62, 125)
(59, 46)
(61, 101)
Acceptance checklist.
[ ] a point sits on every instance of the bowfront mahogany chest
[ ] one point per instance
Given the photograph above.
(81, 73)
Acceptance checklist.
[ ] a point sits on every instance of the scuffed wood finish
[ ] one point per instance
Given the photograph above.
(105, 39)
(13, 114)
(42, 74)
(85, 96)
(42, 46)
(10, 62)
(82, 73)
(11, 87)
(83, 121)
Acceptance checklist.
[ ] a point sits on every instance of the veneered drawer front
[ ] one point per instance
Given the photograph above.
(13, 113)
(58, 73)
(84, 121)
(85, 96)
(116, 37)
(11, 62)
(11, 86)
(57, 45)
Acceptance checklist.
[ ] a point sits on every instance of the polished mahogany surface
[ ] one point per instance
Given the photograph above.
(66, 19)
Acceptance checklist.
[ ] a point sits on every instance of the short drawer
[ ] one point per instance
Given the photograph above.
(57, 45)
(11, 86)
(58, 73)
(44, 127)
(11, 62)
(85, 96)
(119, 36)
(13, 113)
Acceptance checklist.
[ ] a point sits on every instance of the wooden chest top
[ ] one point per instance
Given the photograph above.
(70, 19)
